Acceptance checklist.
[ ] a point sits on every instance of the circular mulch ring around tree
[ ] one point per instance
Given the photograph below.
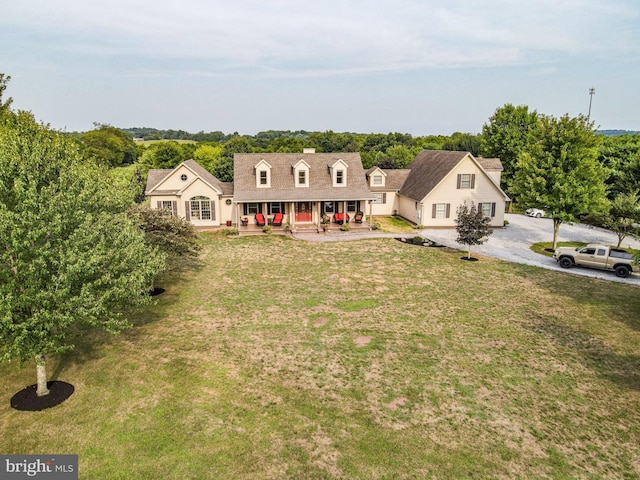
(156, 291)
(27, 399)
(472, 259)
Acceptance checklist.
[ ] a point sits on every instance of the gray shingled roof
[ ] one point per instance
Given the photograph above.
(155, 176)
(490, 163)
(225, 187)
(427, 170)
(283, 187)
(394, 180)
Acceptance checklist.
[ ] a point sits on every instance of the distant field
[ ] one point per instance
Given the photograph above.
(146, 143)
(372, 359)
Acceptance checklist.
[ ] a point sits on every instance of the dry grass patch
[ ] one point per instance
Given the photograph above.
(371, 359)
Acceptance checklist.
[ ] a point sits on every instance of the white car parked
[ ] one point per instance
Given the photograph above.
(535, 212)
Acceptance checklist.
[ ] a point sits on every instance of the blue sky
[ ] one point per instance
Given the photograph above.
(420, 67)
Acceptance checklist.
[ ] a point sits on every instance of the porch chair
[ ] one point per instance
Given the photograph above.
(260, 220)
(277, 220)
(340, 218)
(358, 217)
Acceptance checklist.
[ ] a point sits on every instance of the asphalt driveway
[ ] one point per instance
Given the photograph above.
(513, 243)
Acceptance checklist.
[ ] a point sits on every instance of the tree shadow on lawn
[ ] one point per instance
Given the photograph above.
(87, 340)
(623, 370)
(618, 304)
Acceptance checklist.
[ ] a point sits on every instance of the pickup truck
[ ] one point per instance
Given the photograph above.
(597, 256)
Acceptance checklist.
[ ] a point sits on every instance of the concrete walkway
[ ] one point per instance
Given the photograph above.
(512, 243)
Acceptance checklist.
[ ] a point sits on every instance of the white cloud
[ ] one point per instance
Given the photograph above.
(299, 38)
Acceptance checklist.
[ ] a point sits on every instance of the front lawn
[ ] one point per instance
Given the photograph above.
(277, 358)
(394, 225)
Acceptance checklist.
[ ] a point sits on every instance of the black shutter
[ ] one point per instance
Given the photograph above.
(433, 211)
(493, 209)
(159, 204)
(448, 209)
(473, 180)
(187, 211)
(213, 210)
(459, 181)
(174, 208)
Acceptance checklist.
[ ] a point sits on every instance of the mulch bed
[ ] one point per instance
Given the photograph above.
(425, 243)
(27, 399)
(472, 259)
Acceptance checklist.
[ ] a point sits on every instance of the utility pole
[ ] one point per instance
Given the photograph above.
(592, 92)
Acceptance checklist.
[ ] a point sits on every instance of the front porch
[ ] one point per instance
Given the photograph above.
(252, 229)
(302, 216)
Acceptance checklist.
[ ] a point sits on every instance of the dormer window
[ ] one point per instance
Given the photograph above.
(263, 174)
(339, 173)
(377, 178)
(301, 174)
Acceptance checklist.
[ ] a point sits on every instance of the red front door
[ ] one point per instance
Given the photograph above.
(303, 212)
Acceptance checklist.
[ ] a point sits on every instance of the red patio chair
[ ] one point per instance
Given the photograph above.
(340, 218)
(277, 220)
(358, 217)
(260, 220)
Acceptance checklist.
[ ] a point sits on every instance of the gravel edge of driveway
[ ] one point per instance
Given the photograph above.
(511, 243)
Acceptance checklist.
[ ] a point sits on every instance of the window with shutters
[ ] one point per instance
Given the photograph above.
(275, 207)
(328, 207)
(488, 209)
(466, 180)
(441, 210)
(378, 198)
(252, 208)
(200, 208)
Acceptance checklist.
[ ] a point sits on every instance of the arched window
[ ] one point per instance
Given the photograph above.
(200, 208)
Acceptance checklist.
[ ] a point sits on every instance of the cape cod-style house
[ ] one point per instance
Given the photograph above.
(301, 190)
(435, 183)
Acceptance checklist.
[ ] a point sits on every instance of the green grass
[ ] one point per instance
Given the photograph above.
(276, 358)
(544, 248)
(394, 225)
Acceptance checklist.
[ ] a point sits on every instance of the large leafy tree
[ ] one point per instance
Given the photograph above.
(506, 136)
(208, 156)
(165, 154)
(5, 105)
(463, 142)
(473, 228)
(69, 256)
(623, 216)
(621, 156)
(559, 173)
(109, 145)
(172, 235)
